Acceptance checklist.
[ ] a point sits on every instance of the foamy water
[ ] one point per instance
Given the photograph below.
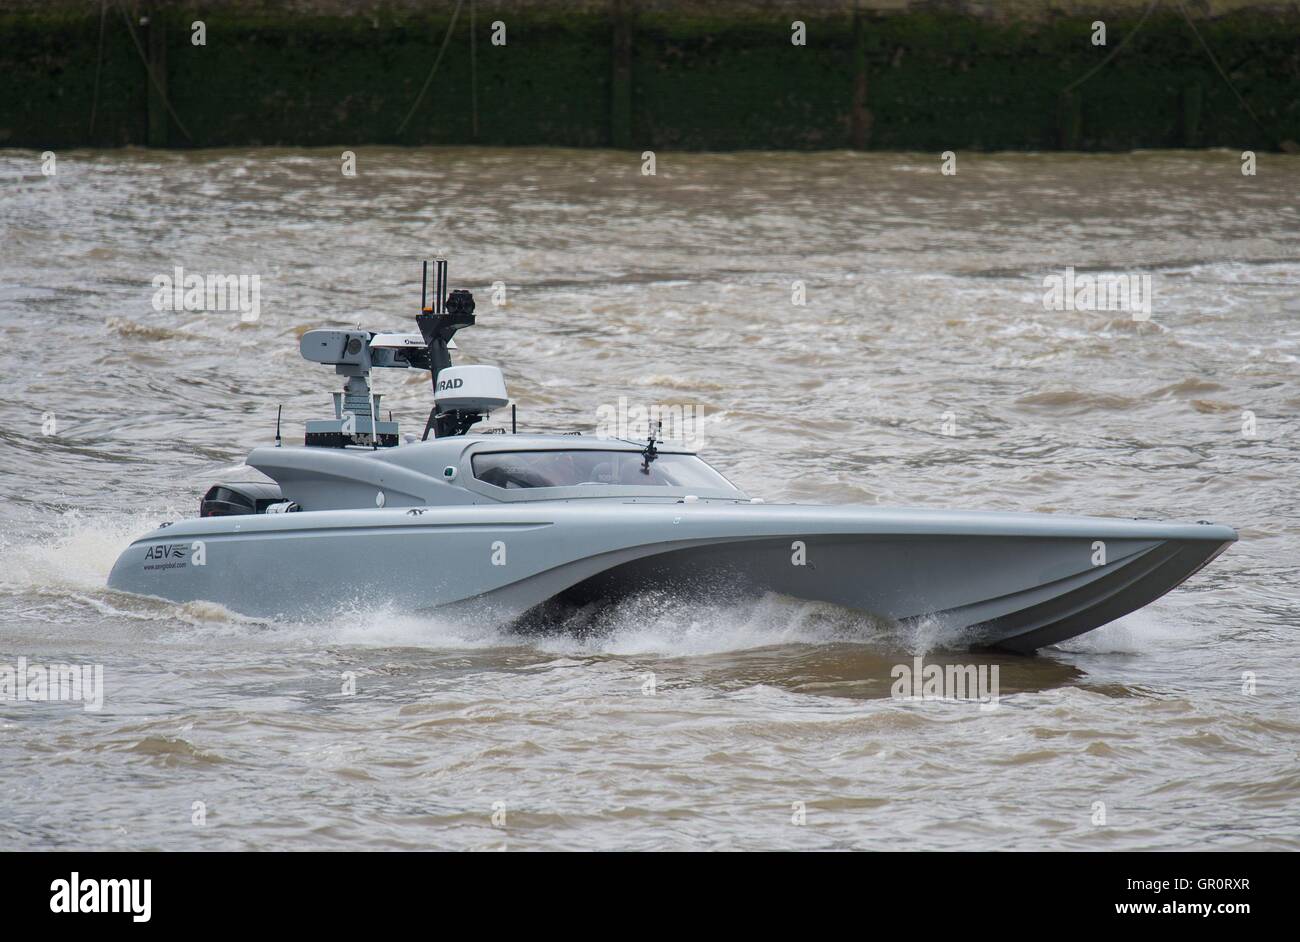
(655, 723)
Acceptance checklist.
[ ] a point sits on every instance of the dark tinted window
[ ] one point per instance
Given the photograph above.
(513, 469)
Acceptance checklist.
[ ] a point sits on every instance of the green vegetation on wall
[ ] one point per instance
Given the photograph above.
(932, 81)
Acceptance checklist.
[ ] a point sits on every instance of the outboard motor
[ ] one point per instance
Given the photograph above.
(242, 497)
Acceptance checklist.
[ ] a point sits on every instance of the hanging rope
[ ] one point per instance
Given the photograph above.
(1113, 53)
(1224, 75)
(1204, 45)
(153, 78)
(445, 40)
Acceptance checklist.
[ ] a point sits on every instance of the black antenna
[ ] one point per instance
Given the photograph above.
(439, 284)
(278, 412)
(649, 453)
(512, 419)
(424, 287)
(440, 317)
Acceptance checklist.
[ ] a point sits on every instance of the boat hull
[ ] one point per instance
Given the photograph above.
(1011, 581)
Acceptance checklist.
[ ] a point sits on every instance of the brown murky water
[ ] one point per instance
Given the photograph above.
(924, 307)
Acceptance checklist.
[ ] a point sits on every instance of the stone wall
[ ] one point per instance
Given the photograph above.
(889, 74)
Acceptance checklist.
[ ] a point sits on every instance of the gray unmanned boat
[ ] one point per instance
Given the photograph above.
(518, 527)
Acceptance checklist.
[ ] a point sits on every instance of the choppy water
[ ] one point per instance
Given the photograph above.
(924, 297)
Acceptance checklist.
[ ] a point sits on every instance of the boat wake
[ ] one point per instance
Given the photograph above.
(659, 623)
(72, 551)
(1140, 632)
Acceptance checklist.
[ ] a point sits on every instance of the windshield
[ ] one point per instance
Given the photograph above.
(512, 469)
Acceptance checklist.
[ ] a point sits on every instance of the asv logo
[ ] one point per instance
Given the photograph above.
(445, 384)
(102, 896)
(170, 551)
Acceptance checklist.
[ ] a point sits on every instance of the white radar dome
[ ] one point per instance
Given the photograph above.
(470, 389)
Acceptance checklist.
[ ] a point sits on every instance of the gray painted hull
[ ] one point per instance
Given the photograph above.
(1013, 581)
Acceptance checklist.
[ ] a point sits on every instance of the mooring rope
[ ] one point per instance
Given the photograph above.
(1113, 53)
(445, 40)
(1224, 75)
(1204, 45)
(153, 78)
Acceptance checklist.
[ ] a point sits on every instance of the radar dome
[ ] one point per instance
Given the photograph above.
(470, 389)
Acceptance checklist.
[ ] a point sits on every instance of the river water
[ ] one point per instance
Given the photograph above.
(924, 369)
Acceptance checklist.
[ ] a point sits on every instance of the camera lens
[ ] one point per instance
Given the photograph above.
(460, 301)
